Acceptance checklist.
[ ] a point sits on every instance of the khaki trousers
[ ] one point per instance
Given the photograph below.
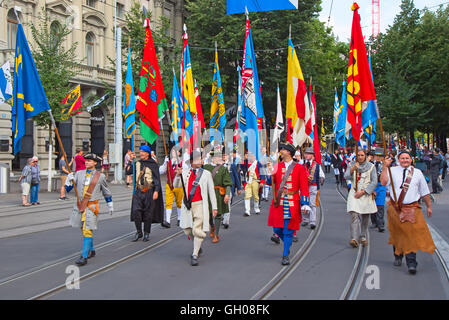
(197, 231)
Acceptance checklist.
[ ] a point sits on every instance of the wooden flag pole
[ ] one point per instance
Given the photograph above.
(63, 152)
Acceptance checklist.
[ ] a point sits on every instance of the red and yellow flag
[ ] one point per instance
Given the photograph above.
(72, 103)
(360, 88)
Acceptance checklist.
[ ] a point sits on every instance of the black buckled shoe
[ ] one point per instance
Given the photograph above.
(312, 226)
(275, 239)
(225, 225)
(194, 260)
(137, 237)
(81, 261)
(295, 239)
(91, 254)
(381, 229)
(285, 261)
(178, 223)
(165, 224)
(200, 252)
(146, 237)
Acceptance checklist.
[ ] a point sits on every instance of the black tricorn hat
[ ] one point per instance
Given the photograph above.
(92, 156)
(289, 147)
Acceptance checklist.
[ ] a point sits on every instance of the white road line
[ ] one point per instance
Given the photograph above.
(442, 248)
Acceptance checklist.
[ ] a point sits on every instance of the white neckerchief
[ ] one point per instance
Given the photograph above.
(287, 164)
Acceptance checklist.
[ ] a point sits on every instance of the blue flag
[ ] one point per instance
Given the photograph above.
(217, 109)
(176, 111)
(336, 108)
(369, 115)
(252, 112)
(341, 123)
(238, 6)
(5, 83)
(129, 102)
(29, 97)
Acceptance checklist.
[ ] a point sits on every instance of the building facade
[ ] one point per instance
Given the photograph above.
(92, 24)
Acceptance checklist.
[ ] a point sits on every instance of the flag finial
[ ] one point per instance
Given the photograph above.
(246, 13)
(355, 6)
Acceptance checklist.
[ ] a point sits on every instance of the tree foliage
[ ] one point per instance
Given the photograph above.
(56, 64)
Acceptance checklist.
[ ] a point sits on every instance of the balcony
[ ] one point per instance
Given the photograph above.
(94, 75)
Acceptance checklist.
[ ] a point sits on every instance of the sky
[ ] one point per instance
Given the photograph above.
(341, 14)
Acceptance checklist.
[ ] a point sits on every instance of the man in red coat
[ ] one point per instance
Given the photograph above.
(285, 214)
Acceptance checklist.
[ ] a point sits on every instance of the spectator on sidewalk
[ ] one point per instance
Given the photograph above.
(79, 160)
(105, 164)
(435, 166)
(25, 182)
(129, 168)
(63, 172)
(35, 181)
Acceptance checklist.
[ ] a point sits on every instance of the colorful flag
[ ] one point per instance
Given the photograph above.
(336, 110)
(279, 126)
(28, 96)
(238, 124)
(253, 109)
(129, 101)
(369, 114)
(5, 82)
(238, 6)
(298, 106)
(323, 134)
(217, 107)
(152, 102)
(316, 139)
(98, 102)
(176, 111)
(310, 124)
(72, 103)
(341, 123)
(360, 83)
(199, 109)
(187, 92)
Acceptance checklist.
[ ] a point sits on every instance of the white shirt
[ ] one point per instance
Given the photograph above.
(287, 164)
(418, 186)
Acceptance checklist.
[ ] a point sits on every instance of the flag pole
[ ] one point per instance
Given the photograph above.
(132, 136)
(63, 152)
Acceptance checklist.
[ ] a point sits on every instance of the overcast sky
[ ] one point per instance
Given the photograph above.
(341, 14)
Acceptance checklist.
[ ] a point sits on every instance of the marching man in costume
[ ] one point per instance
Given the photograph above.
(199, 188)
(290, 197)
(85, 212)
(251, 186)
(222, 184)
(313, 170)
(171, 192)
(147, 203)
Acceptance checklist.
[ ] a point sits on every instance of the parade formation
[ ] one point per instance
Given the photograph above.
(288, 236)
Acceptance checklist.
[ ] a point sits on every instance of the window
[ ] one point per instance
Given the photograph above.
(90, 49)
(120, 10)
(12, 29)
(91, 3)
(55, 31)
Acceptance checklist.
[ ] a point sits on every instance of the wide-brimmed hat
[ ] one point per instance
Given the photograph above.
(309, 150)
(92, 156)
(289, 147)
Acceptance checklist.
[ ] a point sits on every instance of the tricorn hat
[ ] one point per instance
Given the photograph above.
(289, 147)
(92, 156)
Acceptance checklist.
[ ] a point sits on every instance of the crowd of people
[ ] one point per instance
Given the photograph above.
(203, 187)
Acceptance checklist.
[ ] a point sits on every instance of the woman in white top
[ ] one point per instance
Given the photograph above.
(406, 224)
(360, 199)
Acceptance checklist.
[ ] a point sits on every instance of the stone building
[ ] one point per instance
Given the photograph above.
(92, 24)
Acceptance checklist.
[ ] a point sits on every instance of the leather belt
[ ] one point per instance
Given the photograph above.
(289, 192)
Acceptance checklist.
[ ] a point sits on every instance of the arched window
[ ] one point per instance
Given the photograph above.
(12, 29)
(90, 49)
(55, 31)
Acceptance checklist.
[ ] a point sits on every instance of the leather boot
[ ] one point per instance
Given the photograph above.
(212, 232)
(146, 237)
(194, 260)
(247, 207)
(81, 261)
(256, 207)
(91, 254)
(216, 239)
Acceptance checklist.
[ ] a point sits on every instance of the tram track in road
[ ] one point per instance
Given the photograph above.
(108, 266)
(265, 292)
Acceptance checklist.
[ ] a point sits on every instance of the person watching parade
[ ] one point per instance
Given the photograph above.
(291, 196)
(92, 185)
(147, 205)
(406, 224)
(361, 204)
(222, 184)
(199, 187)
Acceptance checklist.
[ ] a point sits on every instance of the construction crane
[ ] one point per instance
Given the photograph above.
(375, 10)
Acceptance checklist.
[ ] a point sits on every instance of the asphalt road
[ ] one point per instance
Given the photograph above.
(240, 265)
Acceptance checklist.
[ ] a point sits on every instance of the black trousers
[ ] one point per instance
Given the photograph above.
(435, 184)
(410, 258)
(142, 204)
(378, 217)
